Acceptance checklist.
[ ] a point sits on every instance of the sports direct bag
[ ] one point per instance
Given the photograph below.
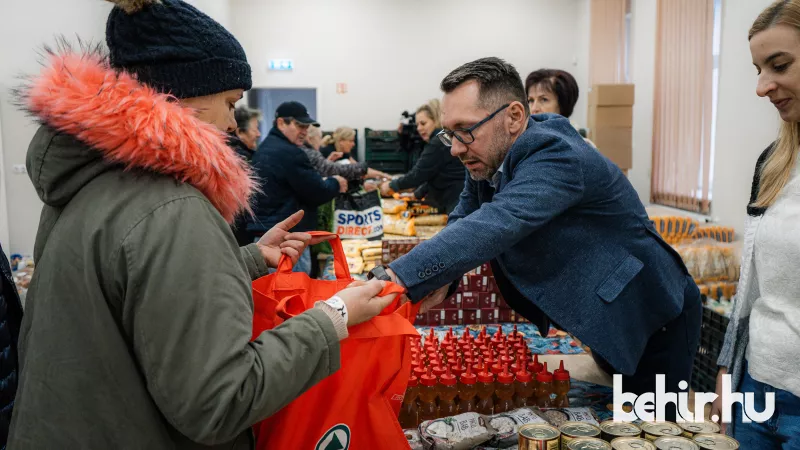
(358, 216)
(356, 407)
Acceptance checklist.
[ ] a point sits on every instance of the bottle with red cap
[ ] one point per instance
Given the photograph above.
(428, 410)
(535, 366)
(467, 390)
(498, 337)
(561, 386)
(514, 337)
(448, 390)
(525, 386)
(504, 391)
(439, 369)
(457, 367)
(481, 338)
(544, 388)
(485, 394)
(409, 412)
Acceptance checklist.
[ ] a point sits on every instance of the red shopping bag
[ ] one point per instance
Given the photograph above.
(356, 407)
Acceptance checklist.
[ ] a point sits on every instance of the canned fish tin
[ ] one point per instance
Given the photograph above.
(716, 441)
(539, 436)
(675, 443)
(586, 444)
(612, 430)
(573, 430)
(692, 428)
(654, 430)
(632, 443)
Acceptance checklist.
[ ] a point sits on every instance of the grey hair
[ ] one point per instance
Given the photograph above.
(499, 82)
(244, 115)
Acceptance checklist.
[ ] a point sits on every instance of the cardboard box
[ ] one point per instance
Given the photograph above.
(489, 316)
(616, 144)
(478, 283)
(491, 285)
(484, 269)
(487, 300)
(450, 303)
(612, 95)
(451, 317)
(507, 315)
(501, 302)
(610, 116)
(470, 317)
(435, 318)
(469, 300)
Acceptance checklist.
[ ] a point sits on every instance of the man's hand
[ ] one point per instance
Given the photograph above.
(716, 407)
(362, 302)
(386, 191)
(433, 299)
(335, 156)
(342, 183)
(279, 241)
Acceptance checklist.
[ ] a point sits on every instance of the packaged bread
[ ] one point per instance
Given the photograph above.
(393, 224)
(356, 265)
(371, 253)
(392, 206)
(507, 426)
(431, 220)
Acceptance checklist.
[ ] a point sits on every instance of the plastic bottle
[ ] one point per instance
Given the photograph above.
(481, 338)
(561, 386)
(448, 390)
(506, 358)
(505, 391)
(534, 366)
(439, 369)
(514, 337)
(409, 412)
(467, 390)
(544, 388)
(427, 397)
(457, 367)
(524, 388)
(498, 337)
(486, 390)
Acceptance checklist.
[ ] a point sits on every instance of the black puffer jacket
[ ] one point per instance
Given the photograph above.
(10, 320)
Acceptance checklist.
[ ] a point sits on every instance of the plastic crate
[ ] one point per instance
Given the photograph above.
(712, 337)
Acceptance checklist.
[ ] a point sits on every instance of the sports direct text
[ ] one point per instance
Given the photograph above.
(651, 405)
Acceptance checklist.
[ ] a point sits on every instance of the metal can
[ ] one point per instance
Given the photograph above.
(632, 443)
(692, 428)
(716, 441)
(587, 444)
(675, 443)
(573, 430)
(654, 430)
(539, 436)
(611, 430)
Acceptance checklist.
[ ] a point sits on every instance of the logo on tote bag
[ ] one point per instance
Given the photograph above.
(337, 438)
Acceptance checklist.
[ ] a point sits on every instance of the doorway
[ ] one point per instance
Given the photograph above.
(267, 101)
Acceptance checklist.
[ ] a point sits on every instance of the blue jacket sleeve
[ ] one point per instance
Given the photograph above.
(467, 202)
(310, 187)
(543, 185)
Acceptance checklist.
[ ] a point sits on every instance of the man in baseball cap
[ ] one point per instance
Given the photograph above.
(296, 111)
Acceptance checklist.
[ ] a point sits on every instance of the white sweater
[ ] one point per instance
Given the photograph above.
(774, 348)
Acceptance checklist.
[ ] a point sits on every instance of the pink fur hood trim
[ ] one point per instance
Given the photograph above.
(132, 124)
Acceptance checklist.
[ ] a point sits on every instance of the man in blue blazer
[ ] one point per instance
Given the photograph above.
(567, 235)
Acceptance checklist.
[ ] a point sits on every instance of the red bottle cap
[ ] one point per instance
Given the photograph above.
(413, 381)
(458, 368)
(521, 364)
(420, 371)
(489, 361)
(485, 377)
(505, 359)
(451, 357)
(468, 377)
(438, 371)
(523, 376)
(560, 374)
(496, 368)
(544, 376)
(534, 366)
(428, 379)
(479, 366)
(505, 376)
(447, 378)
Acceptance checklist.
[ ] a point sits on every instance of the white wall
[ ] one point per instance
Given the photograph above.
(643, 30)
(746, 123)
(24, 28)
(393, 54)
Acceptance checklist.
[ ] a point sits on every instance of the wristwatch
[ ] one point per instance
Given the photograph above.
(380, 273)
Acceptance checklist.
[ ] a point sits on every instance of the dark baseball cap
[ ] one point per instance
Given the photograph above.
(296, 111)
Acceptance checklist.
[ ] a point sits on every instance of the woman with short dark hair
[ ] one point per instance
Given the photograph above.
(552, 91)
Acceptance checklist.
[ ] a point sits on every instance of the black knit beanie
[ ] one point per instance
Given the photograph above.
(174, 48)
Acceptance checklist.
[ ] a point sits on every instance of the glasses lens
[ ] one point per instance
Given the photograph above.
(445, 138)
(464, 136)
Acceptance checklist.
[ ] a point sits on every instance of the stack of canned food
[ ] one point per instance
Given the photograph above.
(612, 435)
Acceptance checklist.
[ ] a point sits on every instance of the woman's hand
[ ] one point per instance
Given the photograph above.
(335, 156)
(362, 301)
(372, 173)
(279, 241)
(386, 191)
(716, 406)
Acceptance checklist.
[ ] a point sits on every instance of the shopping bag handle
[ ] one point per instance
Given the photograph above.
(341, 269)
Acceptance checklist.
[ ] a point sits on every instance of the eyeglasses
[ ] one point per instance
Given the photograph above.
(465, 134)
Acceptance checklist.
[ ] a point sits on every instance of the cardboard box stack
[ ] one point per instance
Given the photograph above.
(611, 122)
